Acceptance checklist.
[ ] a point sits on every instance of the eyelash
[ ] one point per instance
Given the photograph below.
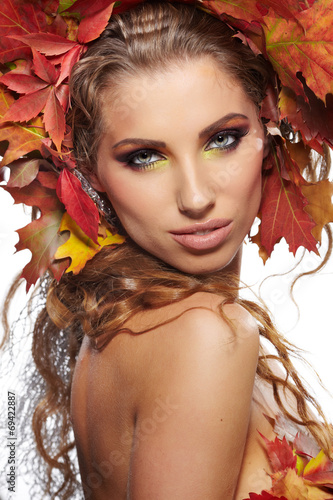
(236, 134)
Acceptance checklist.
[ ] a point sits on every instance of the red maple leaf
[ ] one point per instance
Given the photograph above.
(283, 215)
(78, 204)
(280, 454)
(34, 101)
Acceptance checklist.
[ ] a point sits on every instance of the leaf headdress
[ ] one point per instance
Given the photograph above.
(41, 40)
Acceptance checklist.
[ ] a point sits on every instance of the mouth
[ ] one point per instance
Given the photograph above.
(203, 236)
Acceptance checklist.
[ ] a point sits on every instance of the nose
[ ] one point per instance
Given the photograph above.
(195, 193)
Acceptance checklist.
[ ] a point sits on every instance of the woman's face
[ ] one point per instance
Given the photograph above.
(180, 160)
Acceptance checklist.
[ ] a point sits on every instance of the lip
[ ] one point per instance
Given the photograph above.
(218, 229)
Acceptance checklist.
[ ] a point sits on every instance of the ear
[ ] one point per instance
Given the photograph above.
(95, 182)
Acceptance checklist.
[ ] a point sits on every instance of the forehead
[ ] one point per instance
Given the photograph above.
(179, 95)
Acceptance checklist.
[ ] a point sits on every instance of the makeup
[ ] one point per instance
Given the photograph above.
(206, 236)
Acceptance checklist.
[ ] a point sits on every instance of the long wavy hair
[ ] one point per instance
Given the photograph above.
(120, 282)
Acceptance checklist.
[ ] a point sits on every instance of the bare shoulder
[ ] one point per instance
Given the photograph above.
(195, 337)
(204, 309)
(202, 365)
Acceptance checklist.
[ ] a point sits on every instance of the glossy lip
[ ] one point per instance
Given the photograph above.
(218, 229)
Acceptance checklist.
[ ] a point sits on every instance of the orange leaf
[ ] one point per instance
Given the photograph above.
(290, 485)
(305, 46)
(22, 138)
(320, 205)
(42, 238)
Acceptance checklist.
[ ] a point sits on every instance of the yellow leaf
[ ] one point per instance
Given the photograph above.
(300, 464)
(111, 239)
(289, 485)
(320, 206)
(79, 247)
(316, 463)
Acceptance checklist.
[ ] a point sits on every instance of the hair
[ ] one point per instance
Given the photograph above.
(118, 283)
(146, 40)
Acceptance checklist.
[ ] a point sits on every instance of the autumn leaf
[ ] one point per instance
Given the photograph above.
(290, 485)
(319, 470)
(46, 98)
(246, 10)
(70, 58)
(48, 44)
(79, 247)
(23, 84)
(47, 179)
(320, 205)
(27, 107)
(36, 195)
(19, 17)
(58, 267)
(312, 119)
(305, 46)
(122, 6)
(78, 204)
(23, 172)
(249, 11)
(265, 495)
(280, 454)
(54, 119)
(22, 138)
(283, 215)
(93, 17)
(41, 237)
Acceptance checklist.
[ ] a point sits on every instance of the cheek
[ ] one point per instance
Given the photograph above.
(135, 205)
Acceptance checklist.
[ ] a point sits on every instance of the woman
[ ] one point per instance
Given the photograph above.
(171, 386)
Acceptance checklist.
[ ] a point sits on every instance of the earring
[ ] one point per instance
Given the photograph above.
(103, 204)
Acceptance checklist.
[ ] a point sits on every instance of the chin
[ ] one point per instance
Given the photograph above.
(200, 268)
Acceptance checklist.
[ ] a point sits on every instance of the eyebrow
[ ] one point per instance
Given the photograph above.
(219, 124)
(204, 133)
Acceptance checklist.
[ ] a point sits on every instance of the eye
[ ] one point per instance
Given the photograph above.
(228, 139)
(143, 159)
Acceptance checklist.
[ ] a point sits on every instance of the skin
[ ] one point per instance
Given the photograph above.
(174, 413)
(192, 180)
